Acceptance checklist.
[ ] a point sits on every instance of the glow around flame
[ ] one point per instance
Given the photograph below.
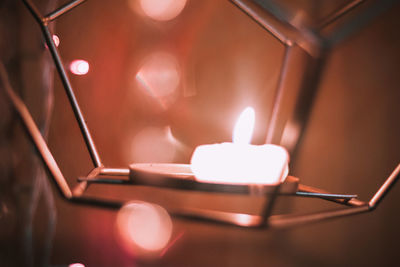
(244, 127)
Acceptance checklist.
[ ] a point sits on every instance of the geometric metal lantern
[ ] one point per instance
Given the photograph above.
(300, 43)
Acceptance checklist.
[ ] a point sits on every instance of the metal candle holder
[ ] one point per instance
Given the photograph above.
(299, 42)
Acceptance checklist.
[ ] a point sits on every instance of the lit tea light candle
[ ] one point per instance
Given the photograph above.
(240, 162)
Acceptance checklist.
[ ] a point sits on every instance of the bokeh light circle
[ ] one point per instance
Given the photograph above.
(159, 75)
(143, 227)
(56, 40)
(79, 67)
(162, 10)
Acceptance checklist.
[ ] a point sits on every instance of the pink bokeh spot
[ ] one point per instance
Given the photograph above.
(162, 10)
(143, 226)
(79, 67)
(56, 40)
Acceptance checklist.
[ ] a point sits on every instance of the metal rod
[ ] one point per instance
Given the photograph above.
(103, 180)
(303, 80)
(359, 20)
(384, 189)
(114, 171)
(350, 202)
(36, 136)
(266, 20)
(236, 219)
(269, 205)
(182, 184)
(72, 98)
(34, 11)
(324, 195)
(338, 198)
(339, 13)
(62, 10)
(278, 97)
(280, 221)
(280, 28)
(82, 186)
(68, 89)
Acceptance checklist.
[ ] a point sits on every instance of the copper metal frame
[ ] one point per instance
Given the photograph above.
(300, 43)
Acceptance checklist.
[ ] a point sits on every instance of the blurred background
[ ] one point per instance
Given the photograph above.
(156, 79)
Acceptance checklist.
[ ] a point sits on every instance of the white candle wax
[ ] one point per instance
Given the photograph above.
(240, 162)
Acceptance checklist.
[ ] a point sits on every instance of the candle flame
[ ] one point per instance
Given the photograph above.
(243, 130)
